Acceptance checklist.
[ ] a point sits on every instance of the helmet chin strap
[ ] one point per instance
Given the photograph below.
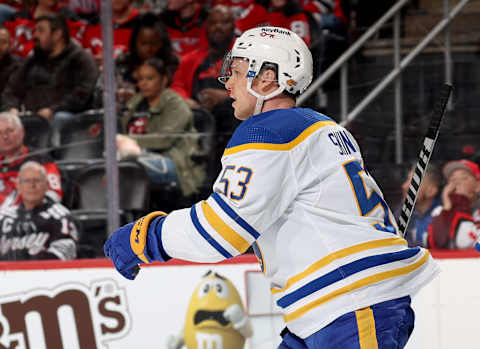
(261, 98)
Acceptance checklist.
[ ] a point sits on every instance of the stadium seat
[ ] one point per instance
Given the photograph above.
(133, 187)
(91, 214)
(37, 131)
(204, 123)
(69, 169)
(82, 136)
(92, 232)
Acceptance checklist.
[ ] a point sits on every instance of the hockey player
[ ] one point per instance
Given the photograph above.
(293, 187)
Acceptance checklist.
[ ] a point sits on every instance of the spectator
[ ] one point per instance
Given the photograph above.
(248, 14)
(196, 77)
(289, 14)
(38, 228)
(157, 111)
(86, 9)
(185, 20)
(8, 62)
(125, 17)
(23, 23)
(13, 153)
(456, 223)
(8, 9)
(149, 39)
(427, 200)
(327, 13)
(57, 80)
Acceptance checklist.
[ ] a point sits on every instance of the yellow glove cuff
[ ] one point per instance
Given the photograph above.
(138, 235)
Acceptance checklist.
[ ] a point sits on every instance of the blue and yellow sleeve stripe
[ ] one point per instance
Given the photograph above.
(222, 227)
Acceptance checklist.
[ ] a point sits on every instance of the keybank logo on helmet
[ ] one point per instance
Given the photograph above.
(276, 30)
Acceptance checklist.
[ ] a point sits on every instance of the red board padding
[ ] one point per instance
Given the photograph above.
(106, 263)
(243, 259)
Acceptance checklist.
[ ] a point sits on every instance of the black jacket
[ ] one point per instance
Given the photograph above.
(62, 83)
(46, 232)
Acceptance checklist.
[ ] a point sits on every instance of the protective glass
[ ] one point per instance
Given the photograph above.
(226, 69)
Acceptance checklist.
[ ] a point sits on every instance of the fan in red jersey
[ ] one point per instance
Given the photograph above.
(125, 17)
(22, 24)
(185, 20)
(13, 154)
(248, 14)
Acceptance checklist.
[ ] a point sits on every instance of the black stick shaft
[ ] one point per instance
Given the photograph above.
(423, 158)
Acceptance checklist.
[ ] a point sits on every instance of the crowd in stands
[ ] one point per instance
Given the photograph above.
(167, 58)
(447, 211)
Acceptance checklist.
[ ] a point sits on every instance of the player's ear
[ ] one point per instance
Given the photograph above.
(268, 75)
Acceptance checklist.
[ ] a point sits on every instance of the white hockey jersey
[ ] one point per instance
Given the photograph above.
(293, 186)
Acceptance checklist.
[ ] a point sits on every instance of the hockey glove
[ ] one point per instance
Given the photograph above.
(136, 243)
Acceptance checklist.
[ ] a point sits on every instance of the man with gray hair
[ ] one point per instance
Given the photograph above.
(38, 228)
(13, 153)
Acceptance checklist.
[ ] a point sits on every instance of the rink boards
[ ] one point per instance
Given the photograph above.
(85, 304)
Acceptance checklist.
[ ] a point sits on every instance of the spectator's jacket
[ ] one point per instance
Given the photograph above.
(186, 36)
(297, 23)
(197, 70)
(85, 9)
(8, 64)
(324, 7)
(22, 24)
(62, 83)
(458, 227)
(170, 115)
(45, 232)
(9, 174)
(121, 35)
(417, 230)
(248, 14)
(184, 76)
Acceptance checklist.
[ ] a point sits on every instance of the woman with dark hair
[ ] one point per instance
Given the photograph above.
(162, 122)
(149, 39)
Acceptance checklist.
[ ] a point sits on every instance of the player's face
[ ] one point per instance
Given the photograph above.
(32, 186)
(244, 102)
(11, 136)
(150, 82)
(465, 184)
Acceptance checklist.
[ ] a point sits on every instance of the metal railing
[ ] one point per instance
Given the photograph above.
(395, 74)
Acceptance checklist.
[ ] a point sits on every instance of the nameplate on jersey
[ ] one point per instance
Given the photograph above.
(341, 140)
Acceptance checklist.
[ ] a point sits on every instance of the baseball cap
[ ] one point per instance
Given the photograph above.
(468, 165)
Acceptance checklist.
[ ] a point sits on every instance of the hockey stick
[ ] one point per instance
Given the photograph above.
(424, 158)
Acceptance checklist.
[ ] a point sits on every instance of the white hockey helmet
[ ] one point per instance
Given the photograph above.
(279, 46)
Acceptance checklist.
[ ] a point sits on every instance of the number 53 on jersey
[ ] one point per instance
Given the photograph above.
(235, 180)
